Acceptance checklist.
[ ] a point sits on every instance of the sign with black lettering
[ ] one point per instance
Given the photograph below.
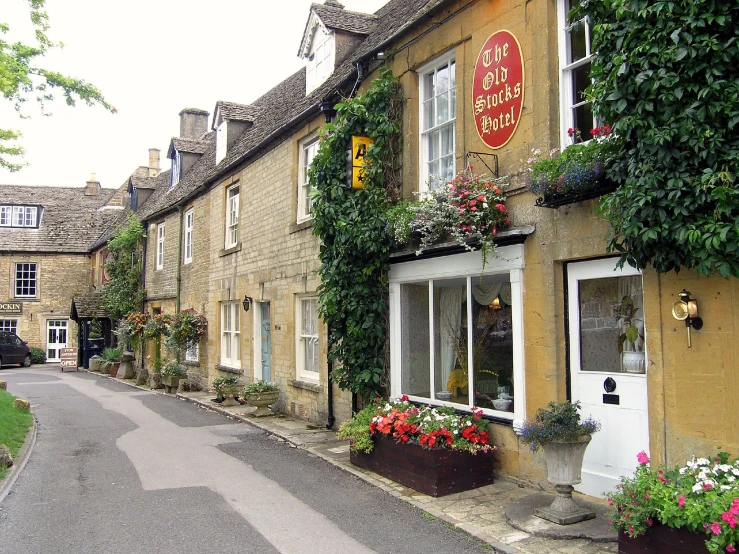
(359, 160)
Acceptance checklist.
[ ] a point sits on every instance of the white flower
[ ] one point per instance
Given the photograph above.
(702, 462)
(484, 204)
(726, 468)
(735, 471)
(697, 488)
(456, 432)
(683, 470)
(725, 488)
(731, 479)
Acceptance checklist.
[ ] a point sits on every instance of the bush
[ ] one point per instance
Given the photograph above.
(173, 368)
(38, 356)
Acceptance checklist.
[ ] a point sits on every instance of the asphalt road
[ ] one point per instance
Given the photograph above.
(120, 470)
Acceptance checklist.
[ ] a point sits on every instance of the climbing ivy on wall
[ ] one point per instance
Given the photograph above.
(355, 245)
(666, 78)
(123, 293)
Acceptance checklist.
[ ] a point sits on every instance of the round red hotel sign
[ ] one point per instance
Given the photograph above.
(497, 89)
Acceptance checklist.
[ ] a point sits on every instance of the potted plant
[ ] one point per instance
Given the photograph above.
(261, 394)
(172, 373)
(695, 506)
(111, 359)
(157, 326)
(564, 436)
(631, 337)
(227, 387)
(577, 173)
(433, 450)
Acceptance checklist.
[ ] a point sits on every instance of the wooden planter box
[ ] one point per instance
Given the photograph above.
(432, 472)
(661, 539)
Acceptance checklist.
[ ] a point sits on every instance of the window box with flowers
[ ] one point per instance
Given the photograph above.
(185, 330)
(435, 451)
(578, 173)
(469, 209)
(689, 509)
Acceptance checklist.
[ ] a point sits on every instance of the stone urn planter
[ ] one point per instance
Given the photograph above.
(564, 468)
(171, 382)
(230, 394)
(125, 369)
(261, 401)
(96, 363)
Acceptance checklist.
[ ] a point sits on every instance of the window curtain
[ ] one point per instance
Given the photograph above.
(485, 294)
(450, 318)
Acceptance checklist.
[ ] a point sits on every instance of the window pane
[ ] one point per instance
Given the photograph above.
(428, 114)
(442, 108)
(447, 140)
(446, 168)
(416, 360)
(433, 145)
(451, 371)
(577, 39)
(580, 81)
(442, 79)
(611, 314)
(434, 176)
(428, 86)
(582, 118)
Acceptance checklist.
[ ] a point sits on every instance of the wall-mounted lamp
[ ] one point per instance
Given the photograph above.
(248, 301)
(686, 309)
(327, 109)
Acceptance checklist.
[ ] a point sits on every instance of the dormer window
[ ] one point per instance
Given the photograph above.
(176, 169)
(320, 59)
(19, 216)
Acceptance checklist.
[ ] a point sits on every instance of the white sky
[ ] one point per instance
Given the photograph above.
(150, 58)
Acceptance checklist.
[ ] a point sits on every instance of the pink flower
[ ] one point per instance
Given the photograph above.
(730, 548)
(716, 528)
(473, 209)
(707, 486)
(642, 457)
(681, 501)
(730, 519)
(500, 207)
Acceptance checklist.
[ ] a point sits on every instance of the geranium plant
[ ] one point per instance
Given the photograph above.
(702, 497)
(578, 169)
(429, 427)
(469, 207)
(558, 422)
(173, 368)
(186, 329)
(157, 326)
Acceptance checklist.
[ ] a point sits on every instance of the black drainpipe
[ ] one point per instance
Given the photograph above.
(331, 418)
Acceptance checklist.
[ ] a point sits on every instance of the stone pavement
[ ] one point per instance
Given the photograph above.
(481, 513)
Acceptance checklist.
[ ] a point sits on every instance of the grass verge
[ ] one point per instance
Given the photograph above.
(13, 426)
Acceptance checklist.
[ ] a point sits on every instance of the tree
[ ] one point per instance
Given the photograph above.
(21, 78)
(666, 78)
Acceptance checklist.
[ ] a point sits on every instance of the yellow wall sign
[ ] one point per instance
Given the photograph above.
(359, 156)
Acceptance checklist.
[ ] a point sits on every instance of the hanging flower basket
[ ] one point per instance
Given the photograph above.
(578, 173)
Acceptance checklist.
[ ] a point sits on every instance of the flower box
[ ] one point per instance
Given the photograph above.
(557, 200)
(435, 472)
(660, 539)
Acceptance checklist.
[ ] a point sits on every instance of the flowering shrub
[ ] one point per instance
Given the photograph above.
(470, 206)
(157, 326)
(702, 497)
(226, 385)
(557, 423)
(260, 386)
(578, 169)
(429, 427)
(186, 329)
(173, 368)
(136, 322)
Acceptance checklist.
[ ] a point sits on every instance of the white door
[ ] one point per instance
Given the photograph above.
(603, 303)
(56, 338)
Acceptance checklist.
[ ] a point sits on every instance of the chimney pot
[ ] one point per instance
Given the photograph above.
(153, 162)
(92, 187)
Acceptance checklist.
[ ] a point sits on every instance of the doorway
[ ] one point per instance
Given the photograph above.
(606, 333)
(263, 337)
(56, 338)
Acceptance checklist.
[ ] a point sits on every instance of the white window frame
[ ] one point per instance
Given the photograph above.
(230, 335)
(426, 135)
(160, 246)
(509, 259)
(10, 325)
(303, 338)
(221, 141)
(192, 354)
(321, 59)
(32, 282)
(232, 216)
(6, 216)
(18, 216)
(308, 148)
(566, 81)
(188, 222)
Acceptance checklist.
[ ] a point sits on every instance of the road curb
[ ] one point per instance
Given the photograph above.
(19, 462)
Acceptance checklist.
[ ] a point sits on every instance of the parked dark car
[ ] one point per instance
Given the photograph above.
(13, 350)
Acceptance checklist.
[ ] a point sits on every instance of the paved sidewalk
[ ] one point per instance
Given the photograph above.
(479, 512)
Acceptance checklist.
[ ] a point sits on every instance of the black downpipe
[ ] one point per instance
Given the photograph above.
(331, 419)
(355, 408)
(568, 369)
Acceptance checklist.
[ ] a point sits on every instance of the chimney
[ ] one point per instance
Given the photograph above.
(193, 123)
(92, 187)
(153, 162)
(334, 4)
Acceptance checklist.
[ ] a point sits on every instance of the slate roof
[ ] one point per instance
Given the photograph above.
(88, 306)
(285, 106)
(149, 183)
(343, 20)
(70, 221)
(236, 112)
(188, 145)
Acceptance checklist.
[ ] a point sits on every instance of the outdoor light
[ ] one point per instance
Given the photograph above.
(686, 309)
(248, 301)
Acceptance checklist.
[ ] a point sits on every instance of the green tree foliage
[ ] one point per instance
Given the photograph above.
(355, 247)
(123, 293)
(21, 78)
(666, 78)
